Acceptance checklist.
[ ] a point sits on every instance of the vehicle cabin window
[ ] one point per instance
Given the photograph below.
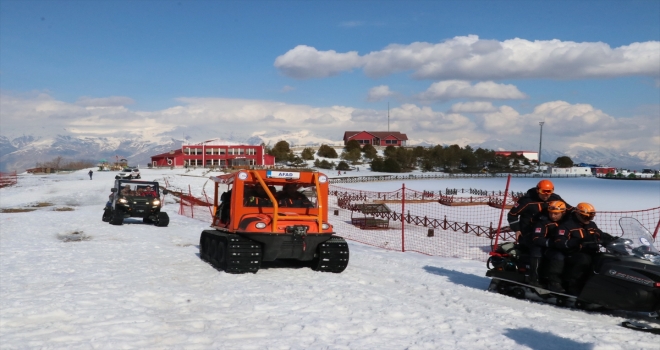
(138, 190)
(302, 196)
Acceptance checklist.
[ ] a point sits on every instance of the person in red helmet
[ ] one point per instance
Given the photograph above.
(577, 239)
(529, 208)
(540, 240)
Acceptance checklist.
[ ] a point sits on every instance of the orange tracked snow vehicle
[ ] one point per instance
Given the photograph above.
(267, 215)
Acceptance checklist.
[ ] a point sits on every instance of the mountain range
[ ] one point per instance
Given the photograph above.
(26, 151)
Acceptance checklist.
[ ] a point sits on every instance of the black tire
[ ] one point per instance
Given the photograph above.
(147, 221)
(117, 218)
(162, 219)
(117, 177)
(107, 215)
(138, 177)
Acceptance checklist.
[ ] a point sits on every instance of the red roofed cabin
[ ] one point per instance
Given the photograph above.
(376, 138)
(531, 155)
(213, 153)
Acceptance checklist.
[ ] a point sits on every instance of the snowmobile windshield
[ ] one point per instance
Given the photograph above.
(636, 240)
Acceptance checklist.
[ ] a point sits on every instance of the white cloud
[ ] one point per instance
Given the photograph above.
(287, 88)
(304, 62)
(473, 107)
(565, 124)
(112, 101)
(379, 93)
(471, 58)
(454, 89)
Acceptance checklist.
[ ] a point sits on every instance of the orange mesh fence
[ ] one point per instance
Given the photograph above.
(459, 223)
(8, 179)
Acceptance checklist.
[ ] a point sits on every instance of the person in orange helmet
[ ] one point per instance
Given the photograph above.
(529, 208)
(540, 240)
(578, 238)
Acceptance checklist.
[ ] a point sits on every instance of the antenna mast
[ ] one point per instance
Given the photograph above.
(388, 116)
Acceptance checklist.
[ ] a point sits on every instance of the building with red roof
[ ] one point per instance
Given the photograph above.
(376, 138)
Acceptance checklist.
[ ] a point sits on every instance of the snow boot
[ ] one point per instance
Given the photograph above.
(553, 270)
(533, 278)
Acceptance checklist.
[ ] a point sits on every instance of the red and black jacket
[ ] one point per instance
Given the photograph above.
(574, 236)
(529, 209)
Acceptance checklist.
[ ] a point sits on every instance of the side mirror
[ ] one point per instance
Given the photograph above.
(113, 190)
(165, 191)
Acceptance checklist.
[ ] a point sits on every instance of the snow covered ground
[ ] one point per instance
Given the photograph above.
(68, 280)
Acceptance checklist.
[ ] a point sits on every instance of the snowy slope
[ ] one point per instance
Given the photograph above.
(142, 287)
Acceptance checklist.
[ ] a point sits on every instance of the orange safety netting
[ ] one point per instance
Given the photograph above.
(458, 223)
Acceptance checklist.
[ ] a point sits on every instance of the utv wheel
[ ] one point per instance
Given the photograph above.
(107, 215)
(117, 177)
(162, 219)
(138, 177)
(117, 218)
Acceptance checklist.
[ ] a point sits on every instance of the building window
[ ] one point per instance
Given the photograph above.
(231, 151)
(390, 142)
(209, 151)
(222, 151)
(209, 162)
(241, 151)
(250, 151)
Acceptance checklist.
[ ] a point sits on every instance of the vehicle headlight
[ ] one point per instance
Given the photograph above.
(155, 202)
(325, 226)
(260, 225)
(122, 200)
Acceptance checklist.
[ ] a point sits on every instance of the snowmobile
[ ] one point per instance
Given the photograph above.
(625, 277)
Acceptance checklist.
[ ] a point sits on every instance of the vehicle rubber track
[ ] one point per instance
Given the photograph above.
(230, 252)
(332, 255)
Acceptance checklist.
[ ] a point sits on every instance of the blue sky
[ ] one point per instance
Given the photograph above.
(452, 71)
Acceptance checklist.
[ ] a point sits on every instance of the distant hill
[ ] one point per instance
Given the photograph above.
(24, 152)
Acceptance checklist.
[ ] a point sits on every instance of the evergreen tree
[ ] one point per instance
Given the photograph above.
(327, 152)
(564, 162)
(351, 145)
(377, 164)
(352, 156)
(307, 154)
(369, 151)
(342, 166)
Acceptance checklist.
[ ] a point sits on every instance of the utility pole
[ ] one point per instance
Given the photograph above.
(388, 116)
(540, 142)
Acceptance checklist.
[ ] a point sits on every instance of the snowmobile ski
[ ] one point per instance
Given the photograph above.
(641, 326)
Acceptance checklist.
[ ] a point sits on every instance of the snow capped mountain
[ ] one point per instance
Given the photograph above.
(294, 138)
(25, 151)
(585, 153)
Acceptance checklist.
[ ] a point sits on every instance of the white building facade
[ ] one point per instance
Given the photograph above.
(574, 171)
